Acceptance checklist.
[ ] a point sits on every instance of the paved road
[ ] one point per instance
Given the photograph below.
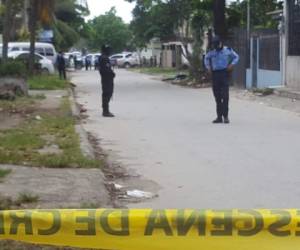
(164, 133)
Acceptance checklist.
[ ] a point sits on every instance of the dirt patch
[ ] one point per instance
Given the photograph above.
(8, 121)
(52, 100)
(9, 245)
(124, 185)
(271, 100)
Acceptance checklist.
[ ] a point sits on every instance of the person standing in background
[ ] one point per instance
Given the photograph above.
(219, 62)
(107, 79)
(61, 65)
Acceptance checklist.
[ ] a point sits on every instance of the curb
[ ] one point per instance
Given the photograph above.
(86, 147)
(288, 93)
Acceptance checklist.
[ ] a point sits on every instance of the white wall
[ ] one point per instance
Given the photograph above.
(293, 72)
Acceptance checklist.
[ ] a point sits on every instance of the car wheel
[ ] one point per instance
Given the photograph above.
(127, 65)
(45, 71)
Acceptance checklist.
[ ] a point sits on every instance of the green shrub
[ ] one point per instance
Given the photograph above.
(45, 82)
(13, 68)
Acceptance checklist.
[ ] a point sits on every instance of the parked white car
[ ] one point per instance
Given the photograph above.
(46, 64)
(126, 59)
(44, 49)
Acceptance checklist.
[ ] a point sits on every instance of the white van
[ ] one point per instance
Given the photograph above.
(45, 49)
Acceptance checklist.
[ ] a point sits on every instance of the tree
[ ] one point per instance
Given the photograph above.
(9, 8)
(237, 13)
(219, 18)
(152, 21)
(109, 29)
(39, 11)
(8, 5)
(182, 20)
(69, 23)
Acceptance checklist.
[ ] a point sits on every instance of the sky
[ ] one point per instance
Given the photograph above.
(124, 9)
(99, 7)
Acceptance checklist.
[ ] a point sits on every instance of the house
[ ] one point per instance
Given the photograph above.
(291, 40)
(173, 55)
(151, 54)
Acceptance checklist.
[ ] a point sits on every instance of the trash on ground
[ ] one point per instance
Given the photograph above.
(139, 194)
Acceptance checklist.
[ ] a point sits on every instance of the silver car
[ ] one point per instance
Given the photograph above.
(125, 60)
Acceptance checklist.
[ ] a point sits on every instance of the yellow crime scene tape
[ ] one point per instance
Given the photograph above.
(149, 229)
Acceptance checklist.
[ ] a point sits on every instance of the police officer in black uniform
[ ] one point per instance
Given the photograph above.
(219, 62)
(107, 79)
(61, 65)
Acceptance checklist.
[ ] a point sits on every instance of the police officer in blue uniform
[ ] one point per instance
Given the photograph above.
(107, 79)
(219, 62)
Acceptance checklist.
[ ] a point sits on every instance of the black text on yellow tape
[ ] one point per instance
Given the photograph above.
(155, 229)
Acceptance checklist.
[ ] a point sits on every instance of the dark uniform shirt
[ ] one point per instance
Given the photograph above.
(60, 61)
(105, 67)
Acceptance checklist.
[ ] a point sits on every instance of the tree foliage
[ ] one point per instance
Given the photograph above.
(109, 29)
(69, 23)
(237, 13)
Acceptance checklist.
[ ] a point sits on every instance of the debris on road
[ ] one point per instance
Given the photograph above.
(140, 194)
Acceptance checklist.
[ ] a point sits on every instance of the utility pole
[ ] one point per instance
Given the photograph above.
(248, 20)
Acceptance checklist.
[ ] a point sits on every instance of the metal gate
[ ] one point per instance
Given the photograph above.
(265, 62)
(238, 41)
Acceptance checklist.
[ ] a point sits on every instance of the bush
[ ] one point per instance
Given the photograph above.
(13, 68)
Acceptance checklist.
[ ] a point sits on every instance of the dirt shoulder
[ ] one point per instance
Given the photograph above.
(41, 155)
(275, 101)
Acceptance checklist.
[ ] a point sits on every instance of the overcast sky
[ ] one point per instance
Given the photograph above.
(124, 9)
(98, 7)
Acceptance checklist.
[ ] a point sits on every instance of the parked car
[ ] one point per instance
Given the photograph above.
(47, 66)
(44, 49)
(126, 59)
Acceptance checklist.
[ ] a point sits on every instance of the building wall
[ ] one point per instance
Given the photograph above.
(292, 75)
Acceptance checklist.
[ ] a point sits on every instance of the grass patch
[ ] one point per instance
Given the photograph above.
(4, 172)
(166, 72)
(21, 145)
(5, 203)
(45, 82)
(264, 91)
(27, 198)
(90, 205)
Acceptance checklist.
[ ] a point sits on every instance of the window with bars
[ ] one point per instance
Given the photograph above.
(294, 27)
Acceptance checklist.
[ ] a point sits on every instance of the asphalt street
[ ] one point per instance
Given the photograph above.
(164, 133)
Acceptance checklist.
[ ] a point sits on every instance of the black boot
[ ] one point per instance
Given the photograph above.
(218, 120)
(226, 120)
(107, 114)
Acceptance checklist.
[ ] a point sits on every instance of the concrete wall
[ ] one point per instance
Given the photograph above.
(265, 78)
(167, 59)
(292, 76)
